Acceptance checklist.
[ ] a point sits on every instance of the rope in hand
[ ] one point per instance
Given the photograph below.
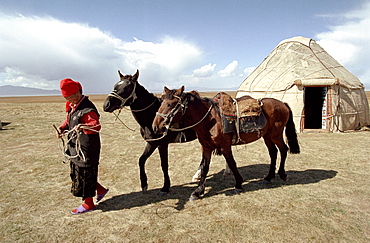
(63, 145)
(117, 118)
(75, 134)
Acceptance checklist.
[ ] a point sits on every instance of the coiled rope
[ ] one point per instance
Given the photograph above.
(72, 134)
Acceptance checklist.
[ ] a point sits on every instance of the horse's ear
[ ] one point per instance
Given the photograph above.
(120, 74)
(165, 90)
(136, 75)
(180, 90)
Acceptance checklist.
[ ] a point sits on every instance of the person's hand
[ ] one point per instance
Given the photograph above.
(78, 127)
(58, 132)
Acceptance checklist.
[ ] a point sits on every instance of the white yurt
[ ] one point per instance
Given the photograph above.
(322, 94)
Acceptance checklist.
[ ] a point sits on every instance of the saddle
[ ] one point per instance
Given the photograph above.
(244, 111)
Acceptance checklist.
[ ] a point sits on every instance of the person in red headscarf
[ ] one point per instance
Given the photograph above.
(83, 149)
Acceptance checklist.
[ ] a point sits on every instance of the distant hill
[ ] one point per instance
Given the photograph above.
(205, 89)
(10, 90)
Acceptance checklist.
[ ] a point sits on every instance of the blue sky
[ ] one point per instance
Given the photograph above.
(206, 44)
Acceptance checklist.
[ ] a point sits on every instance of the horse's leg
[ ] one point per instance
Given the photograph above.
(273, 156)
(227, 153)
(227, 171)
(196, 176)
(204, 167)
(283, 148)
(163, 153)
(148, 151)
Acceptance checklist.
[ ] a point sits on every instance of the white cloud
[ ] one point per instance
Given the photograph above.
(161, 63)
(349, 42)
(230, 70)
(206, 78)
(38, 52)
(204, 71)
(248, 71)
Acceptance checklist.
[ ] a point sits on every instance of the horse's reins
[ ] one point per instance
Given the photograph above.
(169, 116)
(75, 134)
(123, 102)
(191, 126)
(117, 118)
(173, 113)
(180, 105)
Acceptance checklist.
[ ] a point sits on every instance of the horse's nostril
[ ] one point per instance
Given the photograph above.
(106, 105)
(165, 122)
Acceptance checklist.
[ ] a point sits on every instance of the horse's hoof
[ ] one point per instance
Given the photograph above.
(286, 178)
(193, 198)
(226, 173)
(266, 182)
(162, 193)
(237, 190)
(144, 189)
(194, 179)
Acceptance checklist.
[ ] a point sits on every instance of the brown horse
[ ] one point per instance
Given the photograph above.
(203, 115)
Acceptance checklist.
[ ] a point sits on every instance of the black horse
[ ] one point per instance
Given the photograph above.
(144, 105)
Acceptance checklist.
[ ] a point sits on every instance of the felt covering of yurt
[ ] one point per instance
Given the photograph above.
(322, 94)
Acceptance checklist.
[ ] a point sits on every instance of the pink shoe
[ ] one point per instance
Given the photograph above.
(100, 196)
(81, 209)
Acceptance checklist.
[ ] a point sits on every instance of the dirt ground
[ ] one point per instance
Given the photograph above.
(325, 200)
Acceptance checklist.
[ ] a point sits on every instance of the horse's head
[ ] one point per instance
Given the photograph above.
(123, 93)
(171, 110)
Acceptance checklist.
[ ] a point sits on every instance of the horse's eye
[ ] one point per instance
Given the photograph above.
(168, 105)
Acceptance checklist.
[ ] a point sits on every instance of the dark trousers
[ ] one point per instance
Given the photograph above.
(84, 180)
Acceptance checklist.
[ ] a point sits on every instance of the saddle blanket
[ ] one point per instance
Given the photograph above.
(246, 110)
(247, 124)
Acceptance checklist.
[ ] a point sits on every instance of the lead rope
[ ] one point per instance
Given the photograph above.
(75, 134)
(191, 126)
(119, 112)
(117, 118)
(155, 139)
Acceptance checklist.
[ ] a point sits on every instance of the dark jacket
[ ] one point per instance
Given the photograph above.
(89, 143)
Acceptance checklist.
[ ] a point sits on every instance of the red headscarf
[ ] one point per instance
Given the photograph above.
(69, 87)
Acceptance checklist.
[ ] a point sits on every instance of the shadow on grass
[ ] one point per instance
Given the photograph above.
(215, 185)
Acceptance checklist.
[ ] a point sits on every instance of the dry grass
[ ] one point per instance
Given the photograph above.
(325, 200)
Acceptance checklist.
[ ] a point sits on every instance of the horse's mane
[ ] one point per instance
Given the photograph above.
(141, 88)
(194, 95)
(190, 96)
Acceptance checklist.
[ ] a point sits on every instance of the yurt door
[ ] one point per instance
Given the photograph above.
(315, 107)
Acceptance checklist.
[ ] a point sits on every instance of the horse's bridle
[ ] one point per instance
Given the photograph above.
(124, 100)
(180, 106)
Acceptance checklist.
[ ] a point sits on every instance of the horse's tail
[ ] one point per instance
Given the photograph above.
(291, 134)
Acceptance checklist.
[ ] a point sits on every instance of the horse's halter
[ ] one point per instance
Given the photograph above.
(180, 106)
(124, 100)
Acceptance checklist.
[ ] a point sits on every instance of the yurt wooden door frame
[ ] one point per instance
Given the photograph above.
(316, 110)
